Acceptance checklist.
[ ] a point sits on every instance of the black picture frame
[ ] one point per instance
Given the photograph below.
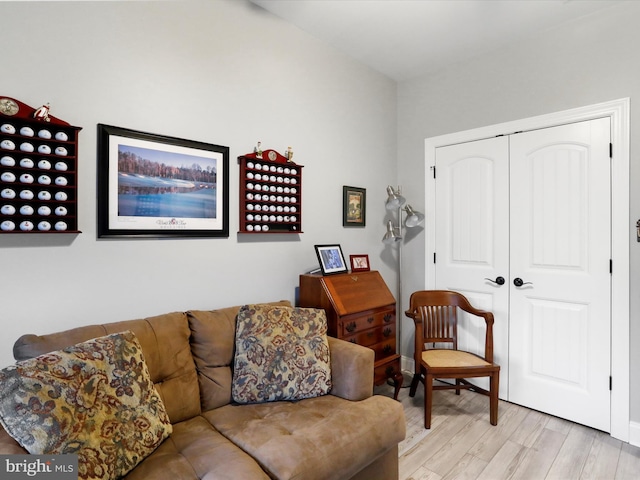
(331, 259)
(155, 186)
(354, 206)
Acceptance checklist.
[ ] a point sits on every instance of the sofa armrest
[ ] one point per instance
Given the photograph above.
(8, 445)
(351, 370)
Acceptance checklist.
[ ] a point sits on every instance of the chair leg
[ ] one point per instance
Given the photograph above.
(493, 398)
(414, 384)
(458, 382)
(428, 399)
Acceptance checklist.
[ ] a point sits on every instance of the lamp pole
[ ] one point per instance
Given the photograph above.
(394, 236)
(399, 301)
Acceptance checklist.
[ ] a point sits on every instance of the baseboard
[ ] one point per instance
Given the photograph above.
(634, 434)
(407, 364)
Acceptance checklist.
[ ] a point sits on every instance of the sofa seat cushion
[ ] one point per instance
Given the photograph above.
(195, 450)
(95, 399)
(324, 437)
(282, 353)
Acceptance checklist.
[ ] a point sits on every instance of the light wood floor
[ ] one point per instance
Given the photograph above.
(525, 444)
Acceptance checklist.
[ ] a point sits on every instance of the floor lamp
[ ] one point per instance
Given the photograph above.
(394, 236)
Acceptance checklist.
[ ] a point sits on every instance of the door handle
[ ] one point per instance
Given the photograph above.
(518, 282)
(497, 281)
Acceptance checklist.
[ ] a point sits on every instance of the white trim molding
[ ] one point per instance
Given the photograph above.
(634, 434)
(618, 112)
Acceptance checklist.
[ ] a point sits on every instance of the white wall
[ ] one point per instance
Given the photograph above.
(222, 72)
(586, 62)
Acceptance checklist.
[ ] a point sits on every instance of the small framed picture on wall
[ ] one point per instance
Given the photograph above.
(354, 206)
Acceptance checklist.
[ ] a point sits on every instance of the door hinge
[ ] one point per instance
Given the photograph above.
(610, 383)
(434, 257)
(433, 169)
(610, 150)
(611, 266)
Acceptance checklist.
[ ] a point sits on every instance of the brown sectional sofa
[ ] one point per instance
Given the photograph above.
(348, 434)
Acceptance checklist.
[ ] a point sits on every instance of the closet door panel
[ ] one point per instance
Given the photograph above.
(472, 237)
(560, 248)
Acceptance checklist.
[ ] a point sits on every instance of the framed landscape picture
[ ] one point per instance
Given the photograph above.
(158, 186)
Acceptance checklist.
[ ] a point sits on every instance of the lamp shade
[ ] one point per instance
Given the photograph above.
(391, 236)
(394, 200)
(413, 218)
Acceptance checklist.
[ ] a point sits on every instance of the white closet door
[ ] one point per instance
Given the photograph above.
(472, 238)
(560, 248)
(534, 207)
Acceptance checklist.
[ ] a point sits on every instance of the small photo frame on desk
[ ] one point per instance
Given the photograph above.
(331, 259)
(359, 263)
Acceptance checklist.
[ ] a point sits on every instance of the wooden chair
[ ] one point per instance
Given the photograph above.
(435, 314)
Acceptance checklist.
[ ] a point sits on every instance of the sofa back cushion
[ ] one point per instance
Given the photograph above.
(213, 345)
(165, 346)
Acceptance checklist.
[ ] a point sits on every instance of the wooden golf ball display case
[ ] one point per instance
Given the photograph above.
(38, 171)
(270, 194)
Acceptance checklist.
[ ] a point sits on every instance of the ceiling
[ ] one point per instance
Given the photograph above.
(404, 39)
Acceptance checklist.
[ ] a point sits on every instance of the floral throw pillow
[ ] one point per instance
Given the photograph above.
(94, 399)
(282, 353)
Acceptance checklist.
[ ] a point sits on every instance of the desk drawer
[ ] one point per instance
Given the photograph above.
(355, 324)
(386, 369)
(384, 349)
(374, 335)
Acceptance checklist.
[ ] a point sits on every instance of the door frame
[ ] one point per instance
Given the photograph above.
(618, 112)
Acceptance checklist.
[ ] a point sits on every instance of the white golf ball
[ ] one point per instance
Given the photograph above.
(26, 226)
(61, 211)
(8, 210)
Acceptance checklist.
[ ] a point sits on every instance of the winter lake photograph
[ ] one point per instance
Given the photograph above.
(159, 183)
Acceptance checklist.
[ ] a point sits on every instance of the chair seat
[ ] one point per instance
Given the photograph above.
(452, 358)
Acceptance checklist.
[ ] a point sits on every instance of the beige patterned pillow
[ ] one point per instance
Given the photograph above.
(282, 353)
(94, 399)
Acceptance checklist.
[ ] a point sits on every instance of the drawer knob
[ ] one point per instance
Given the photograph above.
(351, 326)
(387, 349)
(388, 317)
(386, 332)
(370, 319)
